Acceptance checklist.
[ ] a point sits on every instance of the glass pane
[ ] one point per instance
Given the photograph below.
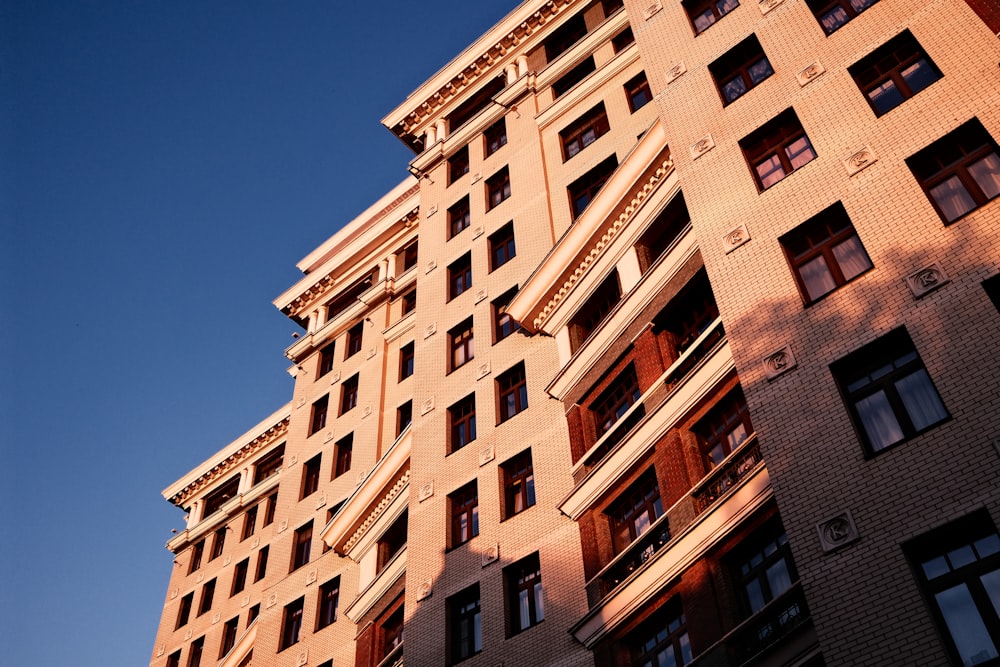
(769, 171)
(523, 609)
(986, 172)
(539, 605)
(703, 20)
(961, 557)
(666, 657)
(991, 582)
(799, 152)
(851, 257)
(755, 595)
(878, 420)
(685, 645)
(988, 545)
(922, 402)
(965, 625)
(760, 70)
(885, 96)
(833, 19)
(736, 436)
(733, 88)
(641, 523)
(862, 5)
(726, 6)
(816, 277)
(952, 198)
(935, 567)
(778, 578)
(919, 75)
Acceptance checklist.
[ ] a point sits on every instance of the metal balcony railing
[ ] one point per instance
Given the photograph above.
(395, 657)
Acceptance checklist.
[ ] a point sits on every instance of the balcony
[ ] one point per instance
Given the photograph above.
(395, 657)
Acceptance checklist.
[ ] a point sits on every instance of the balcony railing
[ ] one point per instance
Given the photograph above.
(736, 467)
(631, 559)
(395, 657)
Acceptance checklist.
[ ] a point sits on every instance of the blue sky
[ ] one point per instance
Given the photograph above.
(163, 166)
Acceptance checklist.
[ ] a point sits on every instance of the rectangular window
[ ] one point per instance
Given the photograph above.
(894, 72)
(184, 610)
(957, 568)
(584, 131)
(776, 149)
(832, 14)
(459, 217)
(461, 345)
(611, 6)
(207, 596)
(261, 563)
(689, 315)
(229, 631)
(319, 410)
(326, 360)
(740, 69)
(568, 81)
(501, 243)
(174, 659)
(663, 639)
(503, 324)
(197, 552)
(392, 542)
(633, 512)
(960, 171)
(310, 476)
(348, 297)
(330, 513)
(349, 394)
(992, 287)
(291, 623)
(406, 361)
(458, 164)
(354, 339)
(269, 464)
(464, 625)
(616, 400)
(888, 392)
(460, 276)
(497, 188)
(240, 577)
(495, 137)
(301, 546)
(462, 418)
(404, 417)
(704, 13)
(409, 302)
(253, 613)
(663, 232)
(512, 392)
(194, 653)
(326, 609)
(724, 428)
(343, 451)
(475, 103)
(249, 523)
(220, 496)
(518, 484)
(565, 36)
(825, 253)
(584, 189)
(525, 606)
(623, 40)
(269, 508)
(594, 310)
(464, 508)
(410, 256)
(764, 568)
(390, 635)
(637, 92)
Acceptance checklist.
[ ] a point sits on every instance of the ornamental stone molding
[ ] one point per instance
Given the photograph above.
(809, 73)
(427, 405)
(425, 492)
(861, 159)
(766, 6)
(779, 362)
(702, 146)
(491, 555)
(431, 265)
(272, 600)
(302, 658)
(424, 590)
(482, 370)
(402, 483)
(486, 455)
(837, 531)
(311, 577)
(735, 238)
(675, 72)
(926, 280)
(430, 330)
(611, 231)
(481, 294)
(651, 10)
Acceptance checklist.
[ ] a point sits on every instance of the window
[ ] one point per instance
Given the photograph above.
(776, 149)
(404, 417)
(184, 610)
(464, 625)
(406, 361)
(229, 631)
(478, 101)
(460, 276)
(410, 256)
(740, 69)
(207, 596)
(635, 511)
(663, 639)
(459, 217)
(764, 568)
(461, 344)
(661, 234)
(832, 14)
(329, 597)
(518, 484)
(354, 336)
(458, 164)
(992, 287)
(301, 546)
(310, 476)
(616, 400)
(220, 496)
(194, 653)
(584, 189)
(249, 523)
(503, 324)
(325, 360)
(174, 659)
(272, 504)
(704, 13)
(525, 606)
(319, 410)
(724, 428)
(343, 451)
(584, 131)
(464, 506)
(240, 577)
(894, 72)
(330, 513)
(597, 307)
(253, 613)
(409, 301)
(512, 390)
(637, 92)
(960, 171)
(268, 465)
(690, 314)
(261, 563)
(502, 248)
(568, 81)
(497, 188)
(564, 37)
(825, 253)
(611, 6)
(495, 137)
(197, 552)
(291, 623)
(888, 392)
(623, 40)
(392, 542)
(958, 569)
(348, 297)
(462, 417)
(390, 634)
(349, 394)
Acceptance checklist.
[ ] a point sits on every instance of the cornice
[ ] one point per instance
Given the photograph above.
(373, 516)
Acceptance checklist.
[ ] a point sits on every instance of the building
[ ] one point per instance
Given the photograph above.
(734, 276)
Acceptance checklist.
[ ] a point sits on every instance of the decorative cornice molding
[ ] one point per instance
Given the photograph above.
(638, 197)
(401, 484)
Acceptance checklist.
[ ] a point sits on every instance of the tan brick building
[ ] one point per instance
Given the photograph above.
(751, 414)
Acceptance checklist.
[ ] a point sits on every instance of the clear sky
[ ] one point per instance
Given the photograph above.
(163, 166)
